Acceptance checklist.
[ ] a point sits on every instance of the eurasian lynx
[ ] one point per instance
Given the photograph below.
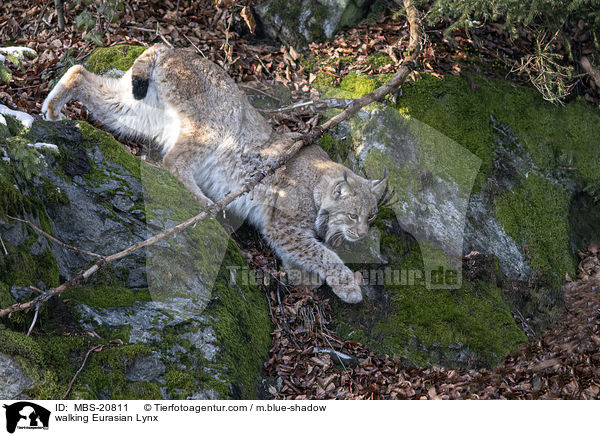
(212, 139)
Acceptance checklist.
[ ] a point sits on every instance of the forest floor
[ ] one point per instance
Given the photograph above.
(304, 361)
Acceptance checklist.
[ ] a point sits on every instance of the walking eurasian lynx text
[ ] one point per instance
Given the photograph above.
(212, 139)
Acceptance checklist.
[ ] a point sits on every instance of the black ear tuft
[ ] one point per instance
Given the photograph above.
(139, 87)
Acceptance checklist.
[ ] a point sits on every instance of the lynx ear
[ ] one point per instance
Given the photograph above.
(378, 187)
(341, 188)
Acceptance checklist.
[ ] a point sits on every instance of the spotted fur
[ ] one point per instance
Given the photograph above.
(212, 139)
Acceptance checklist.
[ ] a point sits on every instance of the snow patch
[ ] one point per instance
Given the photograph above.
(44, 145)
(24, 118)
(18, 52)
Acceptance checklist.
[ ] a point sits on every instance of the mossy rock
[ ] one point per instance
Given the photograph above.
(300, 23)
(502, 171)
(173, 306)
(118, 57)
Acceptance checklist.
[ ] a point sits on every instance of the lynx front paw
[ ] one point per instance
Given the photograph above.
(350, 293)
(346, 285)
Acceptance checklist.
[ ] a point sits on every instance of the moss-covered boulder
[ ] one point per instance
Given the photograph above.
(171, 322)
(300, 23)
(494, 192)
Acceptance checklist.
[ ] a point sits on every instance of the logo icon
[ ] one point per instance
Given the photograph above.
(26, 415)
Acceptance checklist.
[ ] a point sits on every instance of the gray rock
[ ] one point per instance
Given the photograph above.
(122, 203)
(39, 247)
(299, 23)
(146, 319)
(13, 380)
(146, 368)
(13, 233)
(22, 293)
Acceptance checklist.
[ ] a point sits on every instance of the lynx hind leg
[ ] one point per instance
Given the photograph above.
(303, 250)
(141, 71)
(62, 93)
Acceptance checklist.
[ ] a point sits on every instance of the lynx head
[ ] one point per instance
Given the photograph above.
(348, 206)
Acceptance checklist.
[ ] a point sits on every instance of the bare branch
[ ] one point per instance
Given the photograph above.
(94, 348)
(37, 310)
(52, 238)
(3, 246)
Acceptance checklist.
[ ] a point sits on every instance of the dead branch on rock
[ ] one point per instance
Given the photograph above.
(406, 66)
(53, 239)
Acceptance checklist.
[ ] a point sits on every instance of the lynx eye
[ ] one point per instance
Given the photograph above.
(353, 216)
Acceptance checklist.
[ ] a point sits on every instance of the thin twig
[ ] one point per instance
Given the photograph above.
(406, 67)
(142, 29)
(52, 238)
(165, 40)
(3, 246)
(94, 348)
(37, 310)
(195, 46)
(292, 106)
(260, 91)
(286, 326)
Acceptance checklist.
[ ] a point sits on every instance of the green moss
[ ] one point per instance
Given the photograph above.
(379, 59)
(536, 212)
(103, 375)
(111, 149)
(19, 344)
(422, 326)
(105, 295)
(22, 268)
(15, 127)
(553, 136)
(243, 330)
(323, 82)
(180, 380)
(358, 84)
(11, 199)
(4, 131)
(6, 299)
(337, 149)
(120, 57)
(53, 193)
